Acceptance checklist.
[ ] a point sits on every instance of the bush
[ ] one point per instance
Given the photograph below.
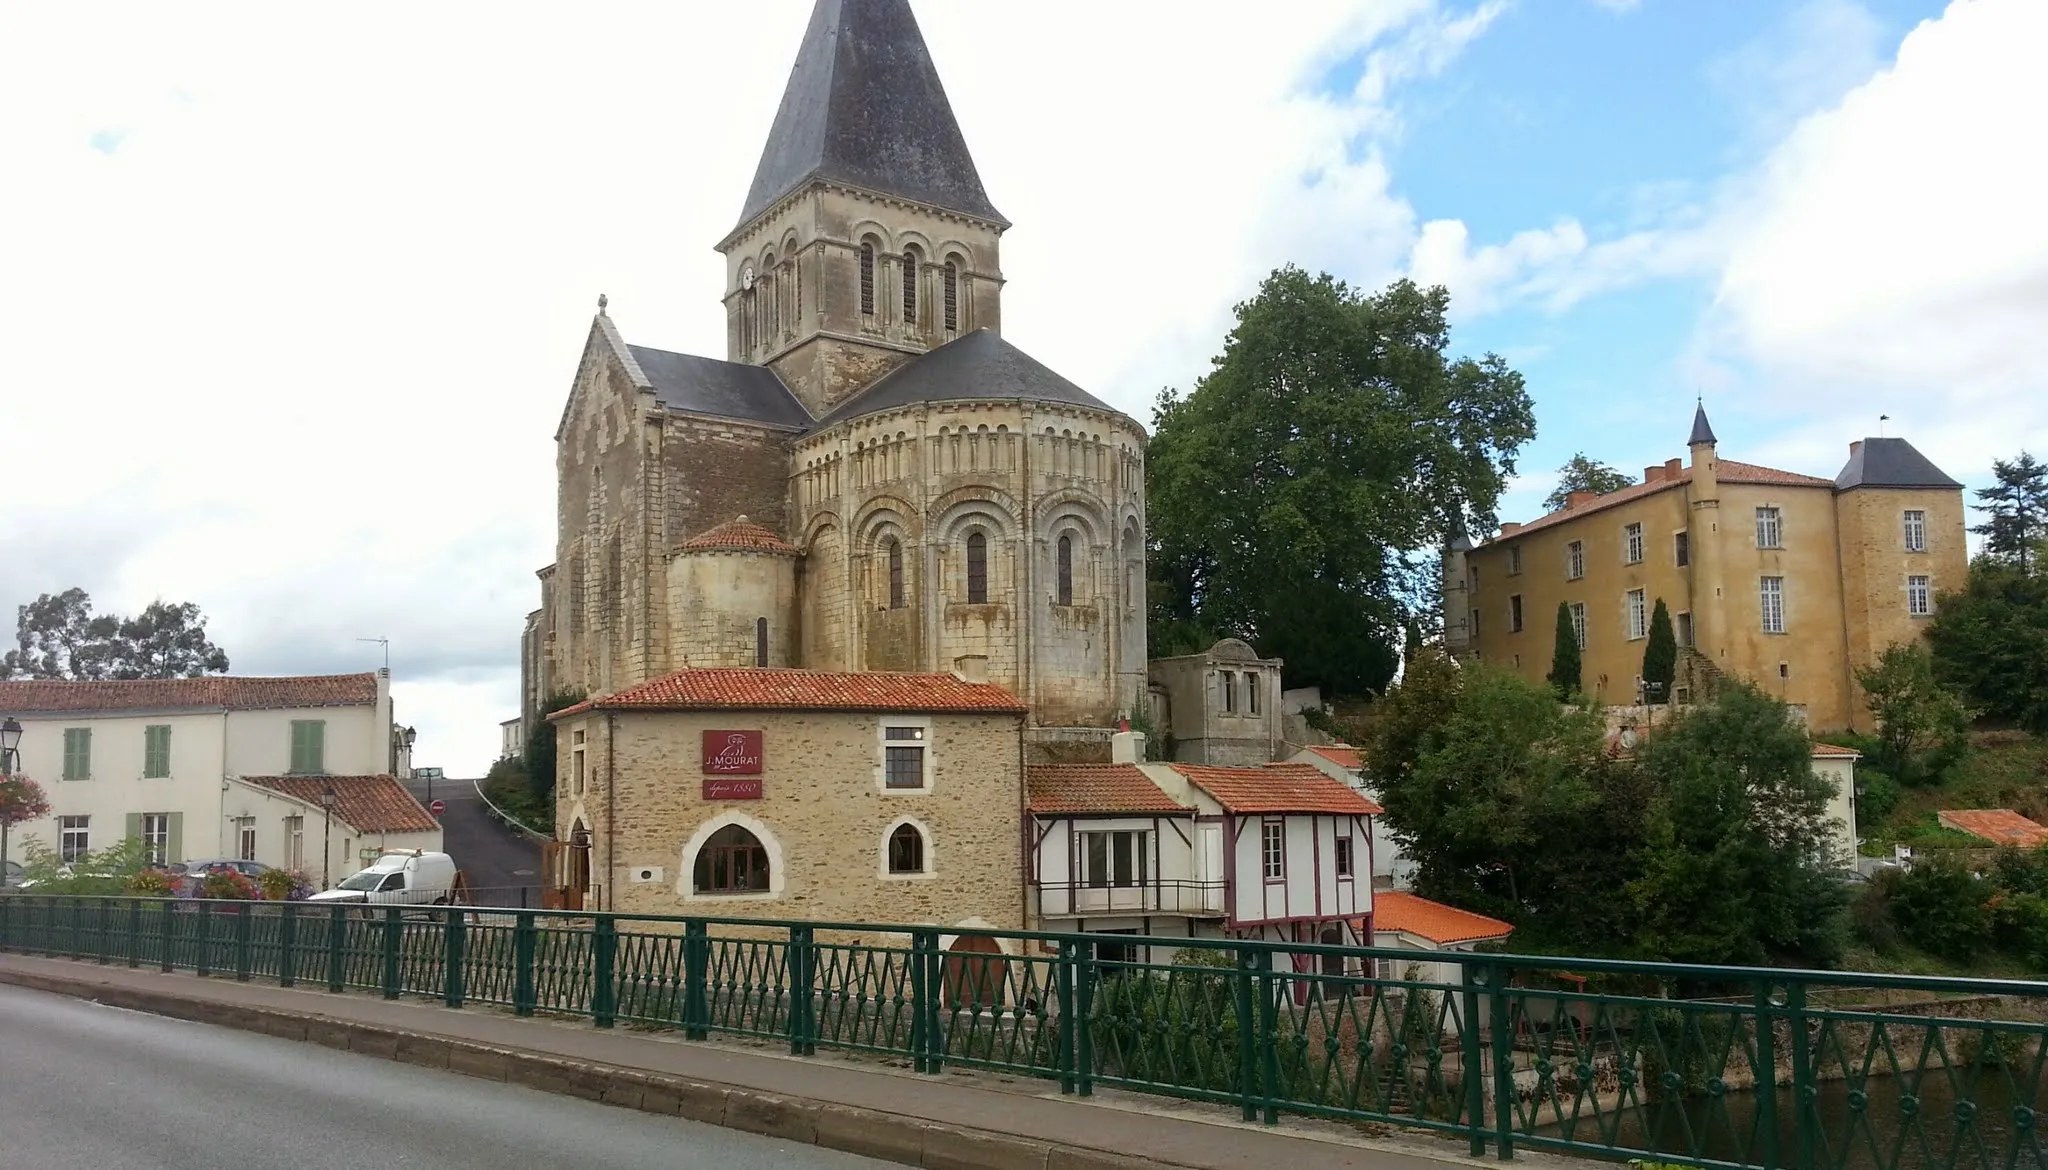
(1942, 908)
(2019, 923)
(229, 883)
(1878, 800)
(154, 883)
(1870, 915)
(2023, 871)
(283, 885)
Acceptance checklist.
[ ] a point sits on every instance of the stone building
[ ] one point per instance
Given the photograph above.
(872, 478)
(1789, 581)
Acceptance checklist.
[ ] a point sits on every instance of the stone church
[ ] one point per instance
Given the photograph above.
(872, 478)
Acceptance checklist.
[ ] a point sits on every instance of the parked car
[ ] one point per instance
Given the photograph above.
(13, 876)
(409, 878)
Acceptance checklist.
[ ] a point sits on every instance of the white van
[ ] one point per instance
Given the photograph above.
(408, 877)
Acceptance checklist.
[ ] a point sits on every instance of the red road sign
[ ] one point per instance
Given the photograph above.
(438, 807)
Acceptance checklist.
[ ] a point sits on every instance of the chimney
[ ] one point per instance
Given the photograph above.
(1510, 528)
(1127, 747)
(1855, 445)
(1672, 467)
(971, 668)
(1653, 474)
(1577, 498)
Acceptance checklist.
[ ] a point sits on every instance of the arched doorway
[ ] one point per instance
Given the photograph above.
(976, 972)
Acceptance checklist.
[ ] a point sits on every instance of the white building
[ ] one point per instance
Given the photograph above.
(511, 740)
(1391, 869)
(204, 768)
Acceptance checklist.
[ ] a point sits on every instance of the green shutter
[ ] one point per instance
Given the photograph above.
(156, 751)
(134, 827)
(78, 753)
(174, 846)
(309, 738)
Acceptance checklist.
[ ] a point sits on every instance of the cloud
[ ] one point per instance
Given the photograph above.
(1816, 53)
(1617, 5)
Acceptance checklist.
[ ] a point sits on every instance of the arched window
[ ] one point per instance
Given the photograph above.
(952, 293)
(906, 850)
(977, 569)
(772, 310)
(760, 641)
(895, 573)
(867, 278)
(1066, 569)
(732, 861)
(910, 267)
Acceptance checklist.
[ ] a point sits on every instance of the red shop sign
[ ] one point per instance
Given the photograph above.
(732, 753)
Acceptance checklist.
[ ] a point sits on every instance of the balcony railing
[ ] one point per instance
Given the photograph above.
(1078, 899)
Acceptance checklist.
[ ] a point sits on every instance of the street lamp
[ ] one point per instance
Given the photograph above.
(10, 739)
(327, 838)
(410, 734)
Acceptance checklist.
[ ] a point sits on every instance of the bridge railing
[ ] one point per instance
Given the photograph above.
(1707, 1066)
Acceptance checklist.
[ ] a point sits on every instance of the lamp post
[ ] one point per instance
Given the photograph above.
(10, 739)
(327, 838)
(411, 734)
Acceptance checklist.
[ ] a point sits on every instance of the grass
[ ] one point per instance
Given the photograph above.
(2005, 769)
(1906, 959)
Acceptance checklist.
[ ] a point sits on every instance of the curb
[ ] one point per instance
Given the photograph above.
(871, 1133)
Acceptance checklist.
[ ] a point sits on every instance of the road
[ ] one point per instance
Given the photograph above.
(86, 1087)
(491, 857)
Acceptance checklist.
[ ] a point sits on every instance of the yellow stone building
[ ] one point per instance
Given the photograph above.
(1790, 581)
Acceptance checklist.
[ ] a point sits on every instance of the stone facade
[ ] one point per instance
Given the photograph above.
(1221, 706)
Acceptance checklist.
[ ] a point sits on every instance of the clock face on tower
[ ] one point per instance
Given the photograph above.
(747, 277)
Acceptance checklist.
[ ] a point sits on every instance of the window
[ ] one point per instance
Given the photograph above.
(1772, 597)
(910, 264)
(74, 839)
(903, 757)
(1472, 578)
(1784, 670)
(867, 278)
(1114, 860)
(760, 641)
(1251, 692)
(1226, 687)
(156, 838)
(245, 838)
(1475, 623)
(1770, 528)
(1064, 571)
(1515, 614)
(952, 294)
(1273, 849)
(1578, 612)
(1575, 560)
(1919, 599)
(977, 568)
(1344, 857)
(1632, 543)
(1681, 549)
(78, 753)
(295, 842)
(1916, 531)
(906, 850)
(732, 861)
(1638, 619)
(1514, 559)
(156, 751)
(576, 771)
(895, 573)
(1684, 630)
(309, 746)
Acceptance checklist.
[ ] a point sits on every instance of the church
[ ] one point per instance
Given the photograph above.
(872, 478)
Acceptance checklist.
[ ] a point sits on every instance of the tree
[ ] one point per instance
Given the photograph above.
(1660, 656)
(1298, 493)
(1564, 658)
(59, 637)
(2018, 507)
(1923, 727)
(1990, 641)
(1581, 474)
(539, 758)
(21, 801)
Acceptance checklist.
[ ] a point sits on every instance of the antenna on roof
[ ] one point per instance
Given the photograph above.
(1881, 420)
(386, 643)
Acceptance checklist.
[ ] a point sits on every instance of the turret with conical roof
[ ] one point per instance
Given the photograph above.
(1703, 497)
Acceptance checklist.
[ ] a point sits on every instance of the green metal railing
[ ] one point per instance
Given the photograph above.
(1706, 1066)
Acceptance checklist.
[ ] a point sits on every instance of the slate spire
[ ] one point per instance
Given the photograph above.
(1702, 431)
(865, 107)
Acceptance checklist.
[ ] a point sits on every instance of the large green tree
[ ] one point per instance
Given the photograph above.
(1923, 726)
(1297, 494)
(2017, 508)
(1990, 641)
(1580, 474)
(59, 636)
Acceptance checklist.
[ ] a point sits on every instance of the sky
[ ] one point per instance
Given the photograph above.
(291, 297)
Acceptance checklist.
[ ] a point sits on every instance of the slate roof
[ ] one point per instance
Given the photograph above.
(1725, 470)
(865, 107)
(741, 535)
(372, 804)
(1702, 430)
(2000, 825)
(1099, 789)
(978, 365)
(212, 693)
(1277, 788)
(702, 385)
(1890, 463)
(766, 688)
(1393, 910)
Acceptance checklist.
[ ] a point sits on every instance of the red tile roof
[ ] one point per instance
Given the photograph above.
(750, 688)
(1725, 470)
(1095, 788)
(2000, 825)
(1277, 788)
(371, 804)
(1443, 925)
(216, 692)
(741, 535)
(1341, 754)
(1834, 752)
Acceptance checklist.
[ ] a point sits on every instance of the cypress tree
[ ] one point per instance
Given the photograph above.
(1660, 657)
(1564, 660)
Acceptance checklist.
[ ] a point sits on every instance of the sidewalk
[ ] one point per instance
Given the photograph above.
(961, 1119)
